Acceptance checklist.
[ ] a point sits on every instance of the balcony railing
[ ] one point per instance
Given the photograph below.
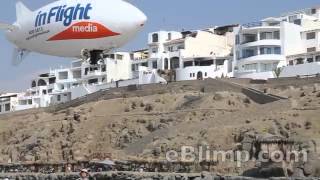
(252, 24)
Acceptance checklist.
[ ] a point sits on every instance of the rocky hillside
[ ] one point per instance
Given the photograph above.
(207, 113)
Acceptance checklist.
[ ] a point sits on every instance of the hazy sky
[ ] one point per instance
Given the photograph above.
(162, 15)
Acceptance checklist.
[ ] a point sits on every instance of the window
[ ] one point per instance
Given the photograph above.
(299, 61)
(0, 108)
(169, 36)
(145, 64)
(248, 53)
(190, 74)
(155, 65)
(86, 71)
(93, 81)
(33, 84)
(7, 107)
(277, 50)
(311, 35)
(65, 95)
(291, 63)
(170, 48)
(187, 64)
(276, 35)
(103, 68)
(154, 50)
(205, 74)
(52, 80)
(266, 67)
(44, 92)
(313, 49)
(155, 37)
(310, 60)
(166, 63)
(49, 90)
(317, 58)
(119, 56)
(313, 11)
(59, 98)
(265, 50)
(266, 35)
(250, 66)
(297, 21)
(29, 101)
(237, 39)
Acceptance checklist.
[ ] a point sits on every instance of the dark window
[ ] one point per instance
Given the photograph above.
(311, 35)
(33, 84)
(313, 11)
(145, 64)
(175, 63)
(300, 61)
(86, 71)
(313, 49)
(93, 81)
(154, 64)
(49, 90)
(205, 74)
(190, 74)
(237, 39)
(166, 63)
(155, 37)
(103, 68)
(133, 67)
(309, 60)
(187, 64)
(0, 108)
(276, 35)
(52, 80)
(42, 82)
(297, 22)
(277, 50)
(7, 107)
(44, 92)
(291, 63)
(317, 58)
(59, 98)
(169, 36)
(29, 101)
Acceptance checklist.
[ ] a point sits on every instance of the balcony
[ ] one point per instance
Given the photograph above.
(262, 58)
(264, 42)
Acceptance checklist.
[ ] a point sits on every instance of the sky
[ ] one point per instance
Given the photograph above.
(162, 15)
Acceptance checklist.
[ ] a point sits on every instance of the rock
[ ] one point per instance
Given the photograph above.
(298, 172)
(307, 169)
(148, 108)
(307, 125)
(303, 94)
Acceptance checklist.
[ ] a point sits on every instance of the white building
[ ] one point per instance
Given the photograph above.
(8, 102)
(190, 55)
(81, 78)
(262, 47)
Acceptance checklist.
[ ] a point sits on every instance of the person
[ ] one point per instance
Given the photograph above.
(84, 174)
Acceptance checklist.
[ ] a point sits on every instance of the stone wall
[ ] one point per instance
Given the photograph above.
(133, 176)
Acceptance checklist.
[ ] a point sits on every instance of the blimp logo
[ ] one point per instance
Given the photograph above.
(84, 30)
(64, 14)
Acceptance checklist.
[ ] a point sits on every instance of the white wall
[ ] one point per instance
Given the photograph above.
(301, 70)
(291, 39)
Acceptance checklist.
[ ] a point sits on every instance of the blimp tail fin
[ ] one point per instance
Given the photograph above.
(22, 11)
(5, 26)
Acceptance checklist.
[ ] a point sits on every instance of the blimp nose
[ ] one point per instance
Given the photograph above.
(141, 18)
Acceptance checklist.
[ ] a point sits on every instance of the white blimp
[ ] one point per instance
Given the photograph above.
(74, 28)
